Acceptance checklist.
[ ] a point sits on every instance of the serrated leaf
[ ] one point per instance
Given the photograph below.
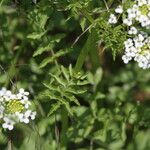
(83, 77)
(36, 35)
(54, 57)
(43, 20)
(42, 48)
(72, 98)
(74, 91)
(83, 24)
(69, 109)
(75, 100)
(53, 108)
(52, 87)
(89, 46)
(64, 102)
(59, 80)
(57, 37)
(65, 73)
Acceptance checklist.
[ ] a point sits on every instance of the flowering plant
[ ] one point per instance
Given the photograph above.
(14, 108)
(61, 51)
(136, 19)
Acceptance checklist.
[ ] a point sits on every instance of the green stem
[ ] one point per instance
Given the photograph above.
(64, 118)
(85, 50)
(10, 145)
(106, 5)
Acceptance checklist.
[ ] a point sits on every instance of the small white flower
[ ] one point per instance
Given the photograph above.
(126, 58)
(119, 9)
(19, 96)
(23, 118)
(141, 37)
(112, 19)
(26, 103)
(8, 93)
(3, 91)
(131, 13)
(132, 30)
(128, 43)
(141, 2)
(30, 114)
(13, 96)
(127, 22)
(23, 92)
(8, 124)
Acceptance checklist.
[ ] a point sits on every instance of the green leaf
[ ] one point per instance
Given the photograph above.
(52, 87)
(54, 107)
(72, 98)
(42, 48)
(59, 80)
(43, 20)
(64, 102)
(75, 91)
(65, 73)
(98, 75)
(35, 35)
(51, 59)
(83, 24)
(90, 45)
(57, 37)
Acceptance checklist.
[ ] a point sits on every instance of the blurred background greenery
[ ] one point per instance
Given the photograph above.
(93, 104)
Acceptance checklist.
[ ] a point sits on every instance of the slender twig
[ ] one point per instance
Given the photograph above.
(10, 147)
(91, 144)
(64, 126)
(57, 137)
(77, 39)
(106, 5)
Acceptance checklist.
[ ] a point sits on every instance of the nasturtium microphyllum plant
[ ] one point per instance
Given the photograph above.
(136, 19)
(15, 108)
(61, 51)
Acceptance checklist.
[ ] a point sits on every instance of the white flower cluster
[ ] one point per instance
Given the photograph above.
(140, 12)
(137, 19)
(138, 49)
(15, 108)
(113, 18)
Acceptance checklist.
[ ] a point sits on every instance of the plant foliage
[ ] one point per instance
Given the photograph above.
(63, 52)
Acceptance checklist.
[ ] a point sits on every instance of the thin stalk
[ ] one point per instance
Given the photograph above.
(106, 5)
(10, 147)
(57, 134)
(62, 142)
(64, 118)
